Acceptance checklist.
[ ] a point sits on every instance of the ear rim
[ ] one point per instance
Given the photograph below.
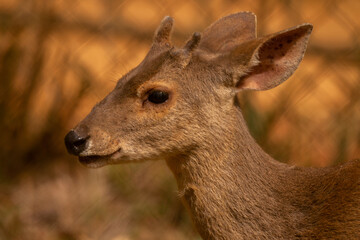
(244, 22)
(254, 61)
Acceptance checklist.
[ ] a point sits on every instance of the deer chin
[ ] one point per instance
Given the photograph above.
(97, 161)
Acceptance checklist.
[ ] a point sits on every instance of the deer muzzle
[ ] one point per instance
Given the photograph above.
(76, 142)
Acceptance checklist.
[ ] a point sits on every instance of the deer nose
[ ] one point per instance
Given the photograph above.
(75, 143)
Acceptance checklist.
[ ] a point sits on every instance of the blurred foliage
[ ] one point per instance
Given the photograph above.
(58, 58)
(28, 138)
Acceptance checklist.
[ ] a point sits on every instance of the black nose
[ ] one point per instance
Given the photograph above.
(75, 143)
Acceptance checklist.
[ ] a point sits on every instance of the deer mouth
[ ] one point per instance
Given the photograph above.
(95, 161)
(90, 159)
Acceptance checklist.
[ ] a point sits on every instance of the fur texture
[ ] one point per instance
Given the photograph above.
(231, 187)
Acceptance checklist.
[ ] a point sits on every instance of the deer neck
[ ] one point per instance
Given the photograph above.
(231, 186)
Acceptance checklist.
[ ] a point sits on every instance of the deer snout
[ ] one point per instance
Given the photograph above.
(75, 142)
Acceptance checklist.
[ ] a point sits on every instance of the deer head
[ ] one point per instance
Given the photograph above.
(178, 98)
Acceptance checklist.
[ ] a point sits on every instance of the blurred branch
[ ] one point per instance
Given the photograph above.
(122, 27)
(348, 53)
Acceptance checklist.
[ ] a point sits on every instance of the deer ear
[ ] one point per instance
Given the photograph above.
(273, 59)
(228, 31)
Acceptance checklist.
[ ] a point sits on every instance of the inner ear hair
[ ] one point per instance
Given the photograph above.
(275, 58)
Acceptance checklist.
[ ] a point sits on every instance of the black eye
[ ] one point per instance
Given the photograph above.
(158, 97)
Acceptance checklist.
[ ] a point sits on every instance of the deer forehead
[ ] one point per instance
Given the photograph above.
(169, 70)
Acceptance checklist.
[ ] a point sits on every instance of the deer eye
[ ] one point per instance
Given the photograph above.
(158, 97)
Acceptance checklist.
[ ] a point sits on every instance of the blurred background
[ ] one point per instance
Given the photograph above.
(58, 58)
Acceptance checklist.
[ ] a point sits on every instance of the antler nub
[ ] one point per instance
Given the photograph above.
(162, 34)
(193, 42)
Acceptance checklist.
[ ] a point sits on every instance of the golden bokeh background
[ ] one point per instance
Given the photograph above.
(58, 58)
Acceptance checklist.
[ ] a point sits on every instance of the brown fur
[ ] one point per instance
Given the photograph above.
(232, 188)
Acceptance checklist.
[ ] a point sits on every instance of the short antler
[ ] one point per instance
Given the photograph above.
(162, 34)
(193, 42)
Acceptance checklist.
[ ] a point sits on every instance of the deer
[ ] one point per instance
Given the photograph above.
(181, 105)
